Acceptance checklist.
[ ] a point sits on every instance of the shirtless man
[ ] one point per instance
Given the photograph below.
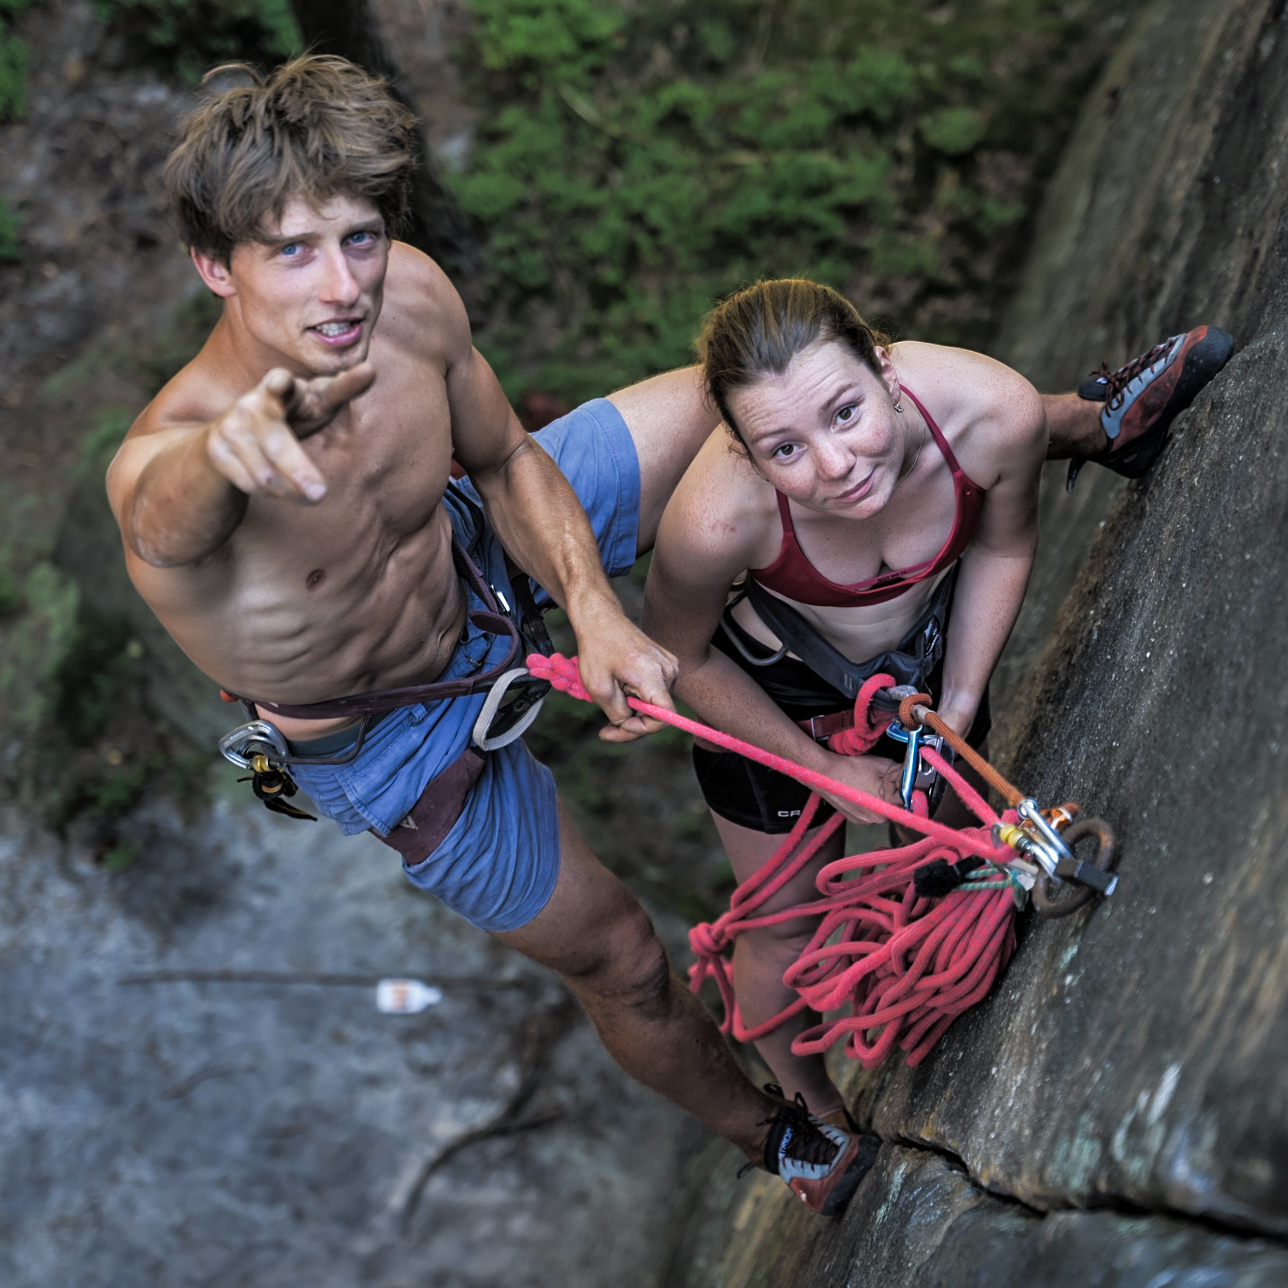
(283, 510)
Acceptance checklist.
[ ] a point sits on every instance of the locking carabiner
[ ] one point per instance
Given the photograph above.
(916, 775)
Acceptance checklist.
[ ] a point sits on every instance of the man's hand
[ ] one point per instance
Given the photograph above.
(872, 774)
(616, 659)
(255, 444)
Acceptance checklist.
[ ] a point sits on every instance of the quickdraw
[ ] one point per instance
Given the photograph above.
(1047, 837)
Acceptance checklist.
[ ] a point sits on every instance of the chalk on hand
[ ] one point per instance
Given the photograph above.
(406, 996)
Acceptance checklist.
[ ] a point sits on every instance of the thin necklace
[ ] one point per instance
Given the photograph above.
(916, 458)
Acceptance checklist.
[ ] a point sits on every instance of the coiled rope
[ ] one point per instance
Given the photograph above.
(901, 967)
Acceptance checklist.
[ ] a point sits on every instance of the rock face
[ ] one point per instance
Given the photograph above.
(1133, 1056)
(196, 1086)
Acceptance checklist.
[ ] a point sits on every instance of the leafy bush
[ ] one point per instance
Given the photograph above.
(13, 69)
(635, 162)
(192, 35)
(10, 249)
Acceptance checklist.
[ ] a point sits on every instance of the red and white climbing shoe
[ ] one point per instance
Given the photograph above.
(821, 1164)
(1144, 397)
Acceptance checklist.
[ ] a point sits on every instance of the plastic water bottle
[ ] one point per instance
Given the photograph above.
(406, 996)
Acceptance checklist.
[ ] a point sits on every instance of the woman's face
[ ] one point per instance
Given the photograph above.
(825, 432)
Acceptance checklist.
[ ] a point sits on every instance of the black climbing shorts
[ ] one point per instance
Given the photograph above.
(763, 799)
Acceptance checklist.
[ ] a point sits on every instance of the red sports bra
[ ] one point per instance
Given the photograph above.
(794, 577)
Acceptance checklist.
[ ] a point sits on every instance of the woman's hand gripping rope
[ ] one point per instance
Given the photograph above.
(907, 965)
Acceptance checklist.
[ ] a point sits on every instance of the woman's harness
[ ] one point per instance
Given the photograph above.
(909, 663)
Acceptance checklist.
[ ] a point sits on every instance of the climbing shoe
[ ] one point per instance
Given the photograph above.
(821, 1164)
(1144, 397)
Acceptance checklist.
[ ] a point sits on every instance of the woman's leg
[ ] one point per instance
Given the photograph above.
(1073, 427)
(760, 958)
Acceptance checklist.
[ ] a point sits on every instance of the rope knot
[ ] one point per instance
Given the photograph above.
(869, 725)
(708, 940)
(560, 671)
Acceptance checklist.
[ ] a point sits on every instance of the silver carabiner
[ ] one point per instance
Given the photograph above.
(240, 744)
(911, 759)
(1028, 810)
(1033, 847)
(916, 776)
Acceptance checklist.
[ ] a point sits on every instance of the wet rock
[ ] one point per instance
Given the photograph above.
(1136, 1052)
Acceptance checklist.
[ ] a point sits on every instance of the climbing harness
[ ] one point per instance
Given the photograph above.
(907, 938)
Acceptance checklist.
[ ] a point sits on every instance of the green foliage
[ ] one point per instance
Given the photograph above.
(953, 130)
(191, 35)
(13, 74)
(635, 162)
(74, 674)
(10, 249)
(119, 857)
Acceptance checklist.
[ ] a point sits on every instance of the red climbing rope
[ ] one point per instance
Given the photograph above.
(901, 966)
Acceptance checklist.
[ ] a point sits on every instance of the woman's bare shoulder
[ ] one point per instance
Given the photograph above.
(986, 409)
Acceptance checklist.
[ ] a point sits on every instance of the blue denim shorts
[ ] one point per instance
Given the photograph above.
(498, 865)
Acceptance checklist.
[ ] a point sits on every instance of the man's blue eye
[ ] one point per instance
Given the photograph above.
(291, 248)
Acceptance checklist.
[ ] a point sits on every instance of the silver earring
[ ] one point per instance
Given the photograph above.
(899, 408)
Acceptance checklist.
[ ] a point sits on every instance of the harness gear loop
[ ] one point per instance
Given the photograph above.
(523, 710)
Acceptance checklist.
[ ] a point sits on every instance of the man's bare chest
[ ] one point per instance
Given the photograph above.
(386, 463)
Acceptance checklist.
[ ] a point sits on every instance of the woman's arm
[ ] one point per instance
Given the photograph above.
(996, 565)
(705, 541)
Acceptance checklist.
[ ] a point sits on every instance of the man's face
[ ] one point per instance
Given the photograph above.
(311, 288)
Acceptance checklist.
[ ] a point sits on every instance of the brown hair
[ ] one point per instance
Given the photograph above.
(314, 127)
(760, 329)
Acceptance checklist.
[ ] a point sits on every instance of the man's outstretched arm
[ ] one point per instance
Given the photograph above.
(542, 524)
(179, 489)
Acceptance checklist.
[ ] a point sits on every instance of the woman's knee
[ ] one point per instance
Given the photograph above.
(789, 936)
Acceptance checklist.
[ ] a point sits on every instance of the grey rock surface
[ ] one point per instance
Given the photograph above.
(919, 1220)
(196, 1087)
(1135, 1053)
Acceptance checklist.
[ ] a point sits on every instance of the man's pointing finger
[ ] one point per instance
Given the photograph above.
(282, 450)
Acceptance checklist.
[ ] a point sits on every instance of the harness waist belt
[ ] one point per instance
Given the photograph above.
(822, 727)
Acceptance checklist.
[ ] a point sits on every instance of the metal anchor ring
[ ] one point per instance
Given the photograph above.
(1079, 895)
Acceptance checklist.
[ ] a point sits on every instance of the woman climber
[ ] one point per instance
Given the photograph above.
(867, 507)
